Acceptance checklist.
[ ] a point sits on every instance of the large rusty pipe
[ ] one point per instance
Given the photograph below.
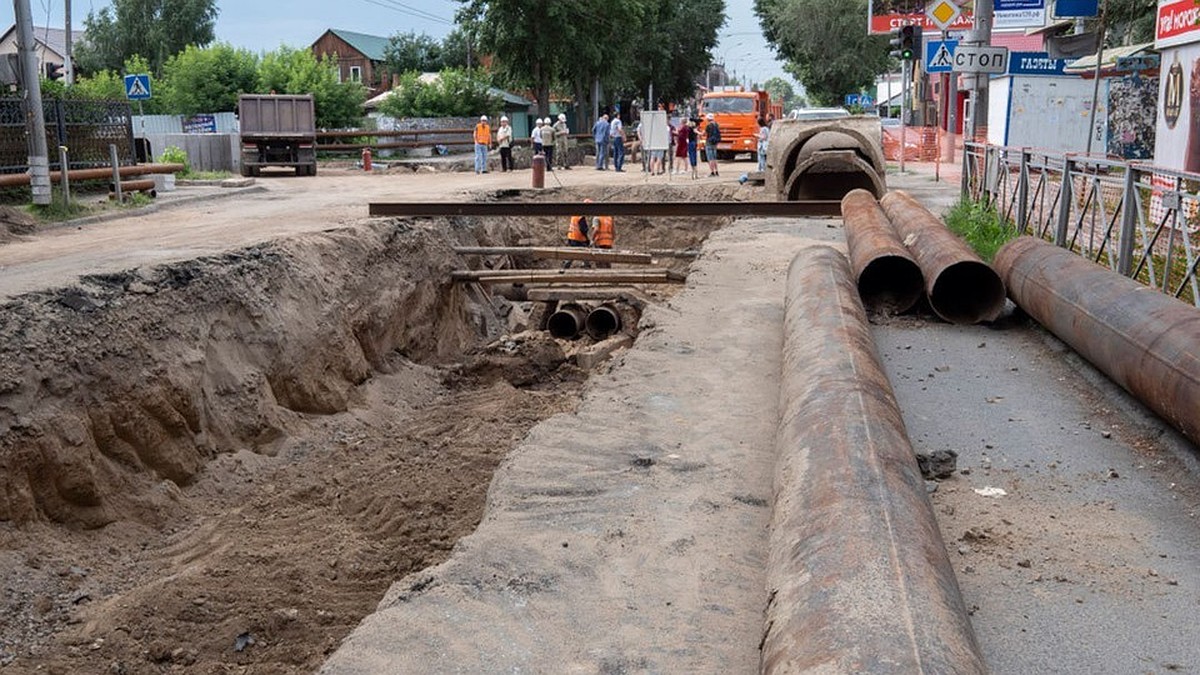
(17, 179)
(858, 574)
(961, 288)
(1145, 341)
(602, 322)
(568, 322)
(889, 280)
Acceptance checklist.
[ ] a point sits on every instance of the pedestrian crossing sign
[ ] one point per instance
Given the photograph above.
(939, 56)
(137, 87)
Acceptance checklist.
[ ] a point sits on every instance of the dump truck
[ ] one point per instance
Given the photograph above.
(737, 112)
(278, 130)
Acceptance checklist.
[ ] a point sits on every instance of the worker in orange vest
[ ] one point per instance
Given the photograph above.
(597, 231)
(483, 143)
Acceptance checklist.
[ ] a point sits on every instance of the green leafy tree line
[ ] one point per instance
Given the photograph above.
(210, 79)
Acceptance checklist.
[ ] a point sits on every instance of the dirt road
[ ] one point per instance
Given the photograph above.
(289, 206)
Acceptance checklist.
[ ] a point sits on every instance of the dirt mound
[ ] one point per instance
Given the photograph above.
(14, 223)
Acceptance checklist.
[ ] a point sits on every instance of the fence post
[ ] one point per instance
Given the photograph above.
(965, 188)
(116, 168)
(64, 167)
(1023, 193)
(1064, 205)
(1128, 222)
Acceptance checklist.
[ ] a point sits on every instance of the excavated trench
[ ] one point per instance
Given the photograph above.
(225, 462)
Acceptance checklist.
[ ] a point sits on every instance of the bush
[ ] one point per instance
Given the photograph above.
(456, 93)
(175, 155)
(981, 226)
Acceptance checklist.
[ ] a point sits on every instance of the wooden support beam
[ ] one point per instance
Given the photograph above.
(559, 253)
(570, 276)
(629, 294)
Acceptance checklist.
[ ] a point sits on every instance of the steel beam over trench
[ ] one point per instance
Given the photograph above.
(798, 209)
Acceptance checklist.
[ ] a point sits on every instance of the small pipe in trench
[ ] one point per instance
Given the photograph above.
(602, 322)
(568, 322)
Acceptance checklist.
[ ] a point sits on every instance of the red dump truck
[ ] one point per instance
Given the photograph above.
(737, 112)
(278, 130)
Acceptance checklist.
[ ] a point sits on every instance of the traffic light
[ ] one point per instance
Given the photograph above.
(906, 43)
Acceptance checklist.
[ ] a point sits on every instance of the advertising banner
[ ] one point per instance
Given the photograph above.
(1178, 23)
(1177, 144)
(885, 16)
(1019, 14)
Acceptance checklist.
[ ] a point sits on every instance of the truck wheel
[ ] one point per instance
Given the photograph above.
(312, 169)
(247, 171)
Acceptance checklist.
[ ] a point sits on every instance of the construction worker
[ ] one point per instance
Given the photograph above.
(604, 232)
(483, 143)
(578, 230)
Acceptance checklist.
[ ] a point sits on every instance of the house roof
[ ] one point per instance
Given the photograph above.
(55, 39)
(1087, 64)
(371, 46)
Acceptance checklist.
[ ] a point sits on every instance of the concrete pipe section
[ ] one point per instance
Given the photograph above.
(889, 280)
(568, 322)
(858, 574)
(602, 322)
(962, 288)
(1144, 340)
(825, 159)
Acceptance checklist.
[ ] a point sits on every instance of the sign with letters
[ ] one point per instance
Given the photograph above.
(979, 59)
(1034, 63)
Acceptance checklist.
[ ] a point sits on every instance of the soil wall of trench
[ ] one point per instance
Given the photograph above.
(117, 391)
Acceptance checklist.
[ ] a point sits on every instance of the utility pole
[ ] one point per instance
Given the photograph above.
(69, 55)
(39, 161)
(1096, 75)
(984, 13)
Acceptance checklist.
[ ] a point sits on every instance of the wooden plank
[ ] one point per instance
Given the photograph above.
(513, 209)
(629, 294)
(559, 253)
(572, 276)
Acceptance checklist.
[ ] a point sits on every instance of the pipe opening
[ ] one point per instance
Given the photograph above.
(567, 323)
(602, 323)
(816, 183)
(891, 285)
(967, 292)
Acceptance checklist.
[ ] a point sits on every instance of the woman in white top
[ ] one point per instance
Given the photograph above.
(764, 134)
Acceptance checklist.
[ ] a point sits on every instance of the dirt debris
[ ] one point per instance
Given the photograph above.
(245, 450)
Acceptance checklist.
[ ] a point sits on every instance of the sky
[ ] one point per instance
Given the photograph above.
(262, 25)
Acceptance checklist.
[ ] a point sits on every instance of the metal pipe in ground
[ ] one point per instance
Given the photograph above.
(1145, 341)
(961, 288)
(858, 574)
(889, 280)
(568, 322)
(602, 322)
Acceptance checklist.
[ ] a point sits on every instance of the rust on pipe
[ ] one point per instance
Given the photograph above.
(17, 179)
(962, 288)
(858, 574)
(889, 280)
(602, 322)
(1144, 340)
(135, 185)
(568, 322)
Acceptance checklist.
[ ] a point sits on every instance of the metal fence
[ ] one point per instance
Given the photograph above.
(1139, 220)
(86, 128)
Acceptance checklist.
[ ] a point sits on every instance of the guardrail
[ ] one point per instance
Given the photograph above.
(1137, 219)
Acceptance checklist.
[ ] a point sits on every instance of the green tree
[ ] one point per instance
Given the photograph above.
(1131, 21)
(824, 41)
(455, 93)
(456, 47)
(297, 71)
(412, 52)
(673, 45)
(208, 80)
(781, 90)
(154, 29)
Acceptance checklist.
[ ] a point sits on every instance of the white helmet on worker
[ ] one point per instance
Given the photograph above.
(504, 118)
(483, 118)
(709, 116)
(562, 116)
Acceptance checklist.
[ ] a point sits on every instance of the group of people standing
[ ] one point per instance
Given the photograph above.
(549, 140)
(609, 132)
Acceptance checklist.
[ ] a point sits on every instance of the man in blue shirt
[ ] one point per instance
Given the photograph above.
(600, 133)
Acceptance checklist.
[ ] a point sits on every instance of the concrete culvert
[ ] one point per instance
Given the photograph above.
(825, 159)
(568, 322)
(603, 322)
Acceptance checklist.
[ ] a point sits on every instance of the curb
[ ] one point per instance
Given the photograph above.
(153, 208)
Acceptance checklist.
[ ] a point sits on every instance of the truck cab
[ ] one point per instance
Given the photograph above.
(737, 112)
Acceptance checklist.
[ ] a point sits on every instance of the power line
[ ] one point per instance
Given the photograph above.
(408, 10)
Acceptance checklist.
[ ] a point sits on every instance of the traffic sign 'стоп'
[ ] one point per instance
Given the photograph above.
(979, 59)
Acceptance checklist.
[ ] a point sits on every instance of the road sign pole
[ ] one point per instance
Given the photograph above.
(984, 13)
(903, 110)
